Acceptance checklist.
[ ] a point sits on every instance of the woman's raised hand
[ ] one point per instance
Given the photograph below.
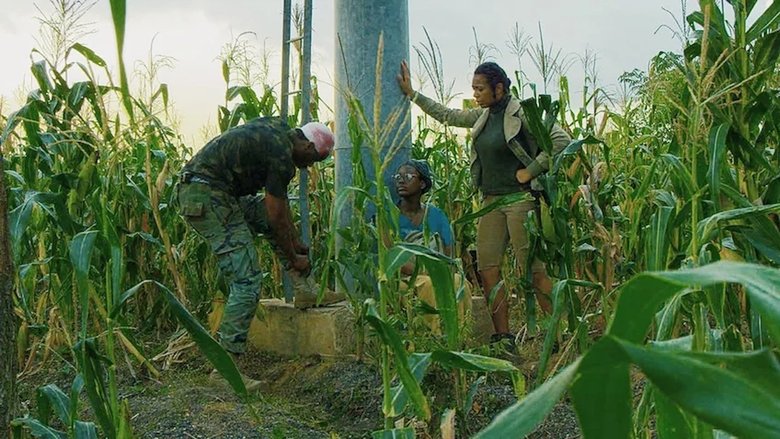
(404, 80)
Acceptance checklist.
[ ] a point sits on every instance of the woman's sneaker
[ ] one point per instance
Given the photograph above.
(505, 346)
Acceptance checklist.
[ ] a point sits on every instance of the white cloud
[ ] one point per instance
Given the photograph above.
(194, 31)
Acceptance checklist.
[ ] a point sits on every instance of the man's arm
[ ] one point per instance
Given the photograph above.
(284, 232)
(298, 245)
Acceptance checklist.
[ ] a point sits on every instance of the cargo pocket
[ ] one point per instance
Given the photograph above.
(191, 201)
(192, 209)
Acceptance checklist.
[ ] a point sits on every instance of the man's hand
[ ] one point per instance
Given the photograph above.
(523, 175)
(300, 248)
(300, 263)
(404, 80)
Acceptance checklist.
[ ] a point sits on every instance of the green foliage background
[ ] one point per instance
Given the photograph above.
(660, 227)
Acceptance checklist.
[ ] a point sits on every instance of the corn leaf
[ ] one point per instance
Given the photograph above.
(85, 430)
(602, 392)
(761, 282)
(89, 54)
(644, 294)
(731, 401)
(58, 400)
(418, 363)
(717, 157)
(441, 278)
(93, 372)
(533, 117)
(768, 21)
(708, 226)
(391, 338)
(657, 239)
(81, 248)
(671, 421)
(521, 419)
(75, 390)
(473, 362)
(37, 429)
(559, 309)
(498, 204)
(215, 353)
(765, 246)
(762, 367)
(118, 14)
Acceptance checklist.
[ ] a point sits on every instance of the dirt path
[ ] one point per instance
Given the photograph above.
(308, 398)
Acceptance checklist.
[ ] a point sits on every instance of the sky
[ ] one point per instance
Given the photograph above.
(623, 34)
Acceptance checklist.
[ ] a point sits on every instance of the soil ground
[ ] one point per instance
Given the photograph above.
(311, 397)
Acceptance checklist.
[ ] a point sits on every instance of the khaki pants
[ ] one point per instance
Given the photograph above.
(500, 227)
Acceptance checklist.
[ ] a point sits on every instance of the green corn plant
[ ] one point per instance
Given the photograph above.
(90, 207)
(718, 66)
(52, 400)
(560, 258)
(382, 315)
(239, 71)
(603, 393)
(683, 174)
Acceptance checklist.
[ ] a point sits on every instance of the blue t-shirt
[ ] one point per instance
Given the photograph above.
(435, 221)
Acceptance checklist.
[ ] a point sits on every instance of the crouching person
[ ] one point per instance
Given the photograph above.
(218, 197)
(418, 221)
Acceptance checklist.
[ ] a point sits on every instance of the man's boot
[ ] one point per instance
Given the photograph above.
(306, 292)
(250, 384)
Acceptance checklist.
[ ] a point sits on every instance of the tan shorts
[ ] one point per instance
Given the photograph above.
(501, 226)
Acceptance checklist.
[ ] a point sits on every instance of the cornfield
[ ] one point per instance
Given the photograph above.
(660, 228)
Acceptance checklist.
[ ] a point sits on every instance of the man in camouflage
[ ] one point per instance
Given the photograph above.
(217, 195)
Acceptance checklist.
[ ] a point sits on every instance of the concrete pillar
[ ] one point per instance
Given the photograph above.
(359, 24)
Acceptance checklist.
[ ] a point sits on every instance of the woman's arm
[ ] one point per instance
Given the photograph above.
(450, 116)
(560, 140)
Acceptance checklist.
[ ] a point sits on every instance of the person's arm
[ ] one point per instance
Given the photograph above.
(439, 224)
(447, 237)
(284, 232)
(450, 116)
(408, 268)
(298, 245)
(560, 140)
(447, 250)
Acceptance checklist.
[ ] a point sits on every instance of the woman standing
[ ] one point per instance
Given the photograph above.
(505, 160)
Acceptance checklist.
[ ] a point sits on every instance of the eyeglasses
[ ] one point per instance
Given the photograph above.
(406, 178)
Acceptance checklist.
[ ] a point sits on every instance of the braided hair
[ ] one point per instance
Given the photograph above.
(495, 75)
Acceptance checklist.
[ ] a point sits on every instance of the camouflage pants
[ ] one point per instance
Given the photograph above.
(229, 225)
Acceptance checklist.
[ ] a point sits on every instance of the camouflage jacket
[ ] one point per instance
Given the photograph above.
(519, 140)
(247, 158)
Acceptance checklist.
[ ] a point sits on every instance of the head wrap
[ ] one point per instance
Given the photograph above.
(322, 137)
(421, 166)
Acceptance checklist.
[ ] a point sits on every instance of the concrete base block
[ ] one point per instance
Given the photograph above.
(280, 328)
